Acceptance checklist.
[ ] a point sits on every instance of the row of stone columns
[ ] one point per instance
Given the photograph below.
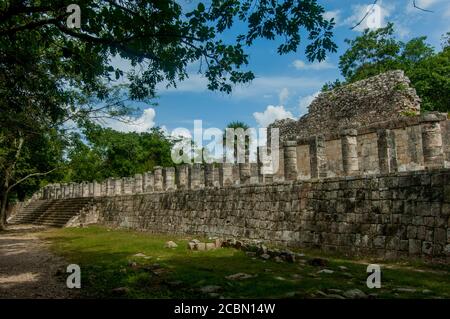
(433, 153)
(184, 176)
(197, 176)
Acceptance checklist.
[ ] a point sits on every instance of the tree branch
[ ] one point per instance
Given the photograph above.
(29, 176)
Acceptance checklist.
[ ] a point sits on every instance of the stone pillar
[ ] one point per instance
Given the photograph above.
(433, 155)
(290, 160)
(196, 176)
(127, 185)
(104, 186)
(91, 189)
(76, 190)
(147, 183)
(97, 189)
(182, 176)
(138, 184)
(51, 192)
(387, 151)
(211, 175)
(158, 179)
(64, 190)
(244, 171)
(318, 159)
(85, 189)
(118, 186)
(226, 174)
(111, 184)
(169, 178)
(349, 146)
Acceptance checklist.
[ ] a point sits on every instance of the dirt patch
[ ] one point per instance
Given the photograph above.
(28, 269)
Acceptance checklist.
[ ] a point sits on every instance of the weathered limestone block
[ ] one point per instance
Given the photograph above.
(209, 175)
(318, 160)
(148, 182)
(97, 189)
(127, 185)
(196, 176)
(244, 171)
(290, 160)
(158, 179)
(118, 186)
(138, 184)
(169, 178)
(226, 174)
(349, 145)
(85, 186)
(104, 188)
(182, 176)
(387, 151)
(111, 185)
(433, 154)
(254, 173)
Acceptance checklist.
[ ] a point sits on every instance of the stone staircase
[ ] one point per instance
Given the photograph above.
(53, 212)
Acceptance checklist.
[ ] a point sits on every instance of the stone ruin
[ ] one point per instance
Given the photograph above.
(362, 172)
(385, 97)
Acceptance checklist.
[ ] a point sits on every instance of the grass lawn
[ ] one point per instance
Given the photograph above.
(107, 261)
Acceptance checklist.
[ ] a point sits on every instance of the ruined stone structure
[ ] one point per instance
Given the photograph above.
(359, 174)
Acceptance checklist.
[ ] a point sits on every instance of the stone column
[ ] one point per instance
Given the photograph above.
(118, 186)
(196, 176)
(104, 188)
(158, 179)
(138, 184)
(387, 151)
(147, 182)
(97, 189)
(85, 189)
(433, 155)
(318, 159)
(226, 174)
(169, 178)
(244, 171)
(211, 175)
(349, 152)
(290, 160)
(182, 176)
(91, 189)
(127, 185)
(76, 190)
(111, 184)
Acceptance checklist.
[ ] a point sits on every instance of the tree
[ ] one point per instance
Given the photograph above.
(377, 51)
(108, 153)
(51, 73)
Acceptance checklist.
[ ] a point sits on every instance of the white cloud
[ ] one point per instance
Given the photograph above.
(376, 16)
(271, 114)
(447, 12)
(336, 14)
(283, 96)
(316, 66)
(130, 124)
(305, 101)
(423, 4)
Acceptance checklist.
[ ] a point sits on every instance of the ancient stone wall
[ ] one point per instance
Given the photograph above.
(394, 215)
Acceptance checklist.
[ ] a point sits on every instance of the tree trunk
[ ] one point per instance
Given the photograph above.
(3, 205)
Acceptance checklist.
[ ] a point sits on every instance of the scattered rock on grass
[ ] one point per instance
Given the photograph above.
(171, 244)
(325, 271)
(239, 276)
(355, 294)
(210, 289)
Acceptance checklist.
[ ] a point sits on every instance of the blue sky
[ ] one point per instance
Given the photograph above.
(285, 85)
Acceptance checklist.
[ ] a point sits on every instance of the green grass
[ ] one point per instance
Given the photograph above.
(106, 260)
